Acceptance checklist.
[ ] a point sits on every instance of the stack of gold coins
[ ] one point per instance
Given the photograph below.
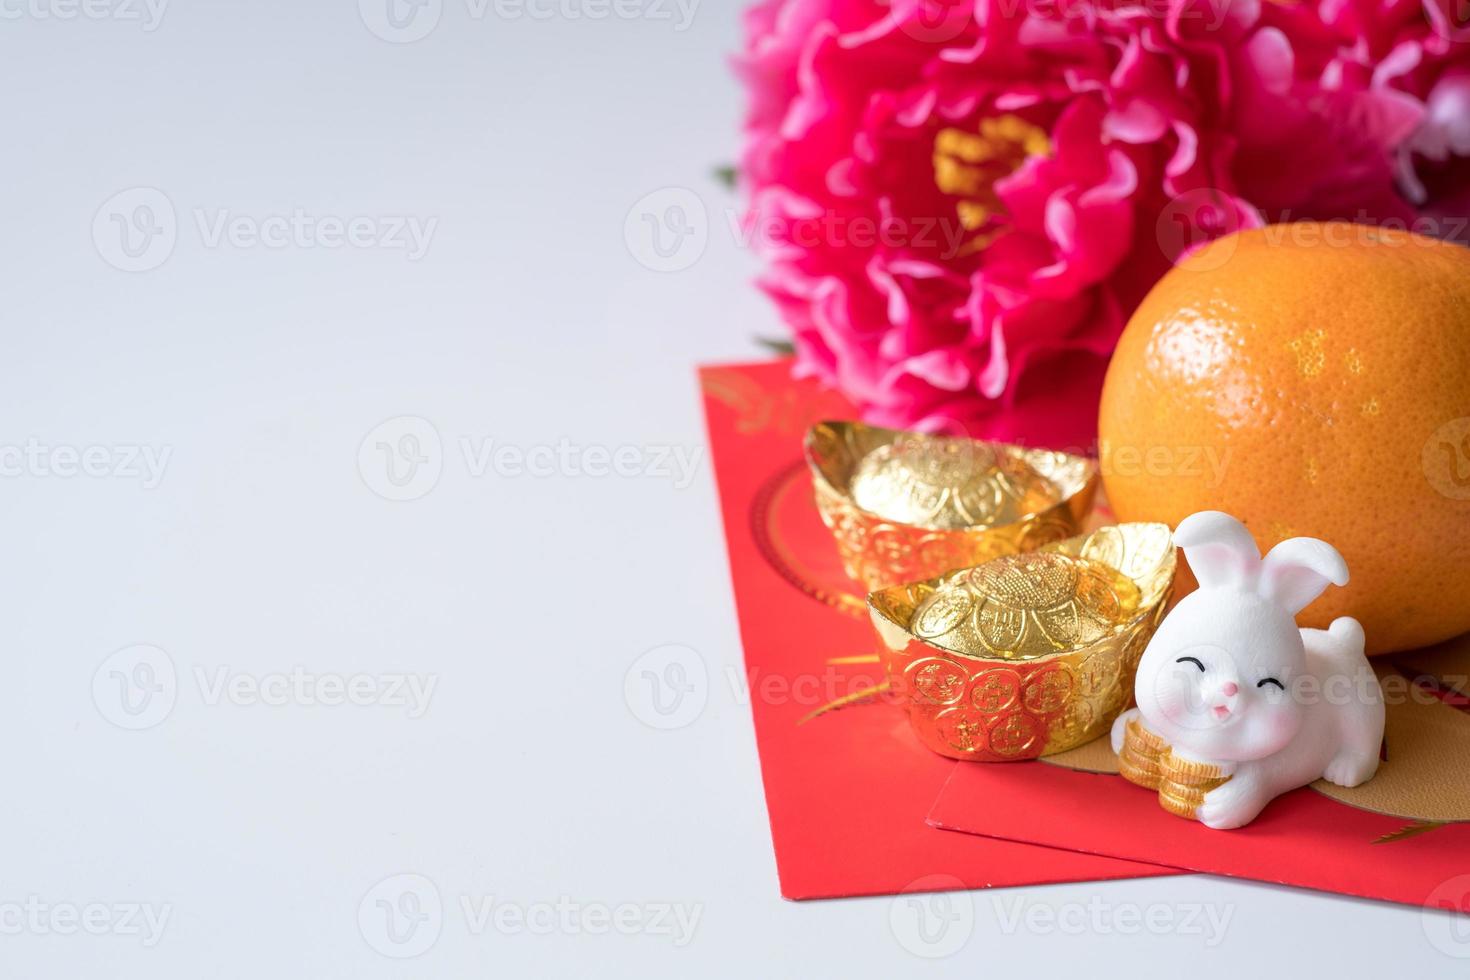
(1139, 761)
(1183, 784)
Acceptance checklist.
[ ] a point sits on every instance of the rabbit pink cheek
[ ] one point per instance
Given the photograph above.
(1281, 724)
(1168, 695)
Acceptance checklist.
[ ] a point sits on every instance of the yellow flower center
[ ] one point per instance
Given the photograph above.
(967, 165)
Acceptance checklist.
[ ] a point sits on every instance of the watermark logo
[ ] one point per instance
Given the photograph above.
(668, 230)
(135, 230)
(136, 687)
(1446, 459)
(401, 916)
(938, 23)
(668, 687)
(1446, 917)
(1193, 220)
(401, 21)
(402, 458)
(933, 917)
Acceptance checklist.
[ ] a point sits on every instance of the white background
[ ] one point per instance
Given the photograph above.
(534, 775)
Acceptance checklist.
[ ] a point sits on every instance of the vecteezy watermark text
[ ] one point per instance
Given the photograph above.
(566, 916)
(41, 460)
(309, 689)
(669, 686)
(146, 13)
(1099, 917)
(403, 459)
(406, 21)
(137, 687)
(137, 230)
(669, 230)
(301, 229)
(403, 916)
(935, 917)
(34, 916)
(677, 464)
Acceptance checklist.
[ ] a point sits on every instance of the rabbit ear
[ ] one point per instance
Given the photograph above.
(1221, 552)
(1298, 570)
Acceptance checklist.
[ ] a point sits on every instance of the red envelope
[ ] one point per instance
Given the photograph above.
(847, 790)
(1398, 837)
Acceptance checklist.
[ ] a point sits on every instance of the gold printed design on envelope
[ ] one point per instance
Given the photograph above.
(1043, 646)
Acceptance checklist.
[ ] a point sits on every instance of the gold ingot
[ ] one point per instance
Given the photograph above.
(1026, 655)
(907, 506)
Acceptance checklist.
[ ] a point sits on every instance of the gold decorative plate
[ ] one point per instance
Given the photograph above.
(906, 506)
(1026, 655)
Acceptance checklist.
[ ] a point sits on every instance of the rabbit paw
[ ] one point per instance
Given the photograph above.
(1351, 769)
(1120, 729)
(1233, 805)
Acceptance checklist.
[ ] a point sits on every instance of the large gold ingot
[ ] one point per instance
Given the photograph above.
(905, 506)
(1026, 655)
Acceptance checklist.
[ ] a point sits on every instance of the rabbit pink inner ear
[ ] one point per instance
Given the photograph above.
(1221, 552)
(1298, 570)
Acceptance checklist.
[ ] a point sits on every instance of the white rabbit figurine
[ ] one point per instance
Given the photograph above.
(1229, 680)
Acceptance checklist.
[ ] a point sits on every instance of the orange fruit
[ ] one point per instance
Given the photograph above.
(1311, 379)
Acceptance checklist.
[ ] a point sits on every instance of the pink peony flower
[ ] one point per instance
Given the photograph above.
(961, 203)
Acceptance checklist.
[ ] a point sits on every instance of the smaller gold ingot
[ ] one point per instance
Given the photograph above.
(906, 506)
(1026, 655)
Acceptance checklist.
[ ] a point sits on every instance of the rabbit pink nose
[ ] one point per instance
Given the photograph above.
(1229, 689)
